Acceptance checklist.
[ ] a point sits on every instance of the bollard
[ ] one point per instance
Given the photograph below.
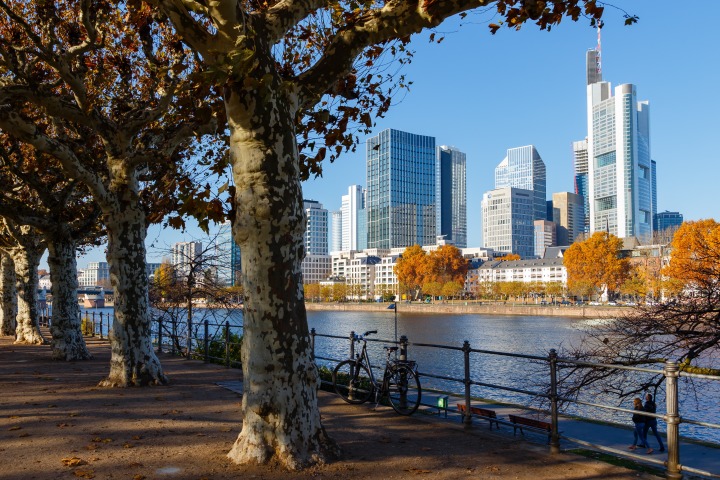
(312, 343)
(403, 348)
(672, 418)
(555, 434)
(159, 336)
(206, 341)
(467, 418)
(227, 344)
(352, 344)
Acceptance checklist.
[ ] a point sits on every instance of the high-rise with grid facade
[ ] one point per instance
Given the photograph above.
(451, 195)
(620, 172)
(400, 198)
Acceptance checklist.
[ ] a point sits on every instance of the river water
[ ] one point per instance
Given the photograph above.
(529, 335)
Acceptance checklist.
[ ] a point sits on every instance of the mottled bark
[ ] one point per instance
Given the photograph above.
(8, 295)
(67, 340)
(27, 260)
(280, 378)
(133, 361)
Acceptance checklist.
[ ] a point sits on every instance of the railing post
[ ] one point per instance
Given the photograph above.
(467, 418)
(352, 344)
(206, 341)
(672, 418)
(101, 323)
(159, 336)
(227, 344)
(312, 342)
(555, 434)
(403, 348)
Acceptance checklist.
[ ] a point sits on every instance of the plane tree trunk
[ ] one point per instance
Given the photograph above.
(8, 295)
(27, 260)
(67, 340)
(280, 378)
(133, 361)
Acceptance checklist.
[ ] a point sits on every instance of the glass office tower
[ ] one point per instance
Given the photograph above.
(400, 200)
(523, 168)
(451, 195)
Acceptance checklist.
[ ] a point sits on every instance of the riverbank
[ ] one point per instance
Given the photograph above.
(462, 308)
(58, 424)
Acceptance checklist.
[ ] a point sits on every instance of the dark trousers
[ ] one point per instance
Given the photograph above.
(652, 425)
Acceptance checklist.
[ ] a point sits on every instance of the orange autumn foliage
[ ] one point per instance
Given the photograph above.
(695, 256)
(594, 264)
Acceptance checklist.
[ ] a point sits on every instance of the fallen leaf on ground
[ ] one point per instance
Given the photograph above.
(139, 477)
(64, 425)
(137, 437)
(15, 428)
(73, 461)
(14, 416)
(128, 445)
(226, 429)
(417, 471)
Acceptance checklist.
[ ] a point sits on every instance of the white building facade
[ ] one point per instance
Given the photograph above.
(507, 221)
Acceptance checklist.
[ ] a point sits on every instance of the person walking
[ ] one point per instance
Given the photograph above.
(651, 424)
(639, 421)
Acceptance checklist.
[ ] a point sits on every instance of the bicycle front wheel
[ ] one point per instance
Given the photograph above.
(404, 391)
(351, 380)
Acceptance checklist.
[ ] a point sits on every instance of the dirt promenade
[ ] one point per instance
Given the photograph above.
(56, 424)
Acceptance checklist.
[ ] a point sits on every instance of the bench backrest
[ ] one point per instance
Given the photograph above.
(530, 422)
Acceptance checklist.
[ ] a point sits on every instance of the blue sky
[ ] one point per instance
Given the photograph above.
(486, 93)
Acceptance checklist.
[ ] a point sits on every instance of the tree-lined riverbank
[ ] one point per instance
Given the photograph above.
(477, 308)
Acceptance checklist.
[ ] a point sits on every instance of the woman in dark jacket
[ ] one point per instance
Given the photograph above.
(639, 421)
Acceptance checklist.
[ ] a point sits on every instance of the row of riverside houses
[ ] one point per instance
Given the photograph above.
(372, 272)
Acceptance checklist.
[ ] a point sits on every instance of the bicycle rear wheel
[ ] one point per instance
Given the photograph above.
(404, 391)
(351, 380)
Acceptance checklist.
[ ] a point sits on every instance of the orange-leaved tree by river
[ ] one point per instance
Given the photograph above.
(594, 265)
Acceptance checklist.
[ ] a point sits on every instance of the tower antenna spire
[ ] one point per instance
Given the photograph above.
(598, 49)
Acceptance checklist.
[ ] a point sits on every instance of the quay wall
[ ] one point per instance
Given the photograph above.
(477, 308)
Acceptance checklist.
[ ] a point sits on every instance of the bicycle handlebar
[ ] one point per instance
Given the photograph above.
(370, 332)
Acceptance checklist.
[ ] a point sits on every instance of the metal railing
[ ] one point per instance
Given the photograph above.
(212, 343)
(671, 373)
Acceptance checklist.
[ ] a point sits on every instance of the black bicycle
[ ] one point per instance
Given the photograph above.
(354, 381)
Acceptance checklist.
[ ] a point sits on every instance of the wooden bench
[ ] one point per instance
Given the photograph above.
(484, 413)
(520, 422)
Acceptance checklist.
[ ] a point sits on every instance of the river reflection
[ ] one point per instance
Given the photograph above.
(530, 335)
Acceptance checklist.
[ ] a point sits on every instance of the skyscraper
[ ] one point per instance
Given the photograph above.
(186, 256)
(620, 186)
(228, 258)
(665, 220)
(336, 231)
(400, 199)
(545, 236)
(316, 234)
(354, 231)
(507, 221)
(451, 195)
(569, 216)
(523, 168)
(316, 264)
(580, 164)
